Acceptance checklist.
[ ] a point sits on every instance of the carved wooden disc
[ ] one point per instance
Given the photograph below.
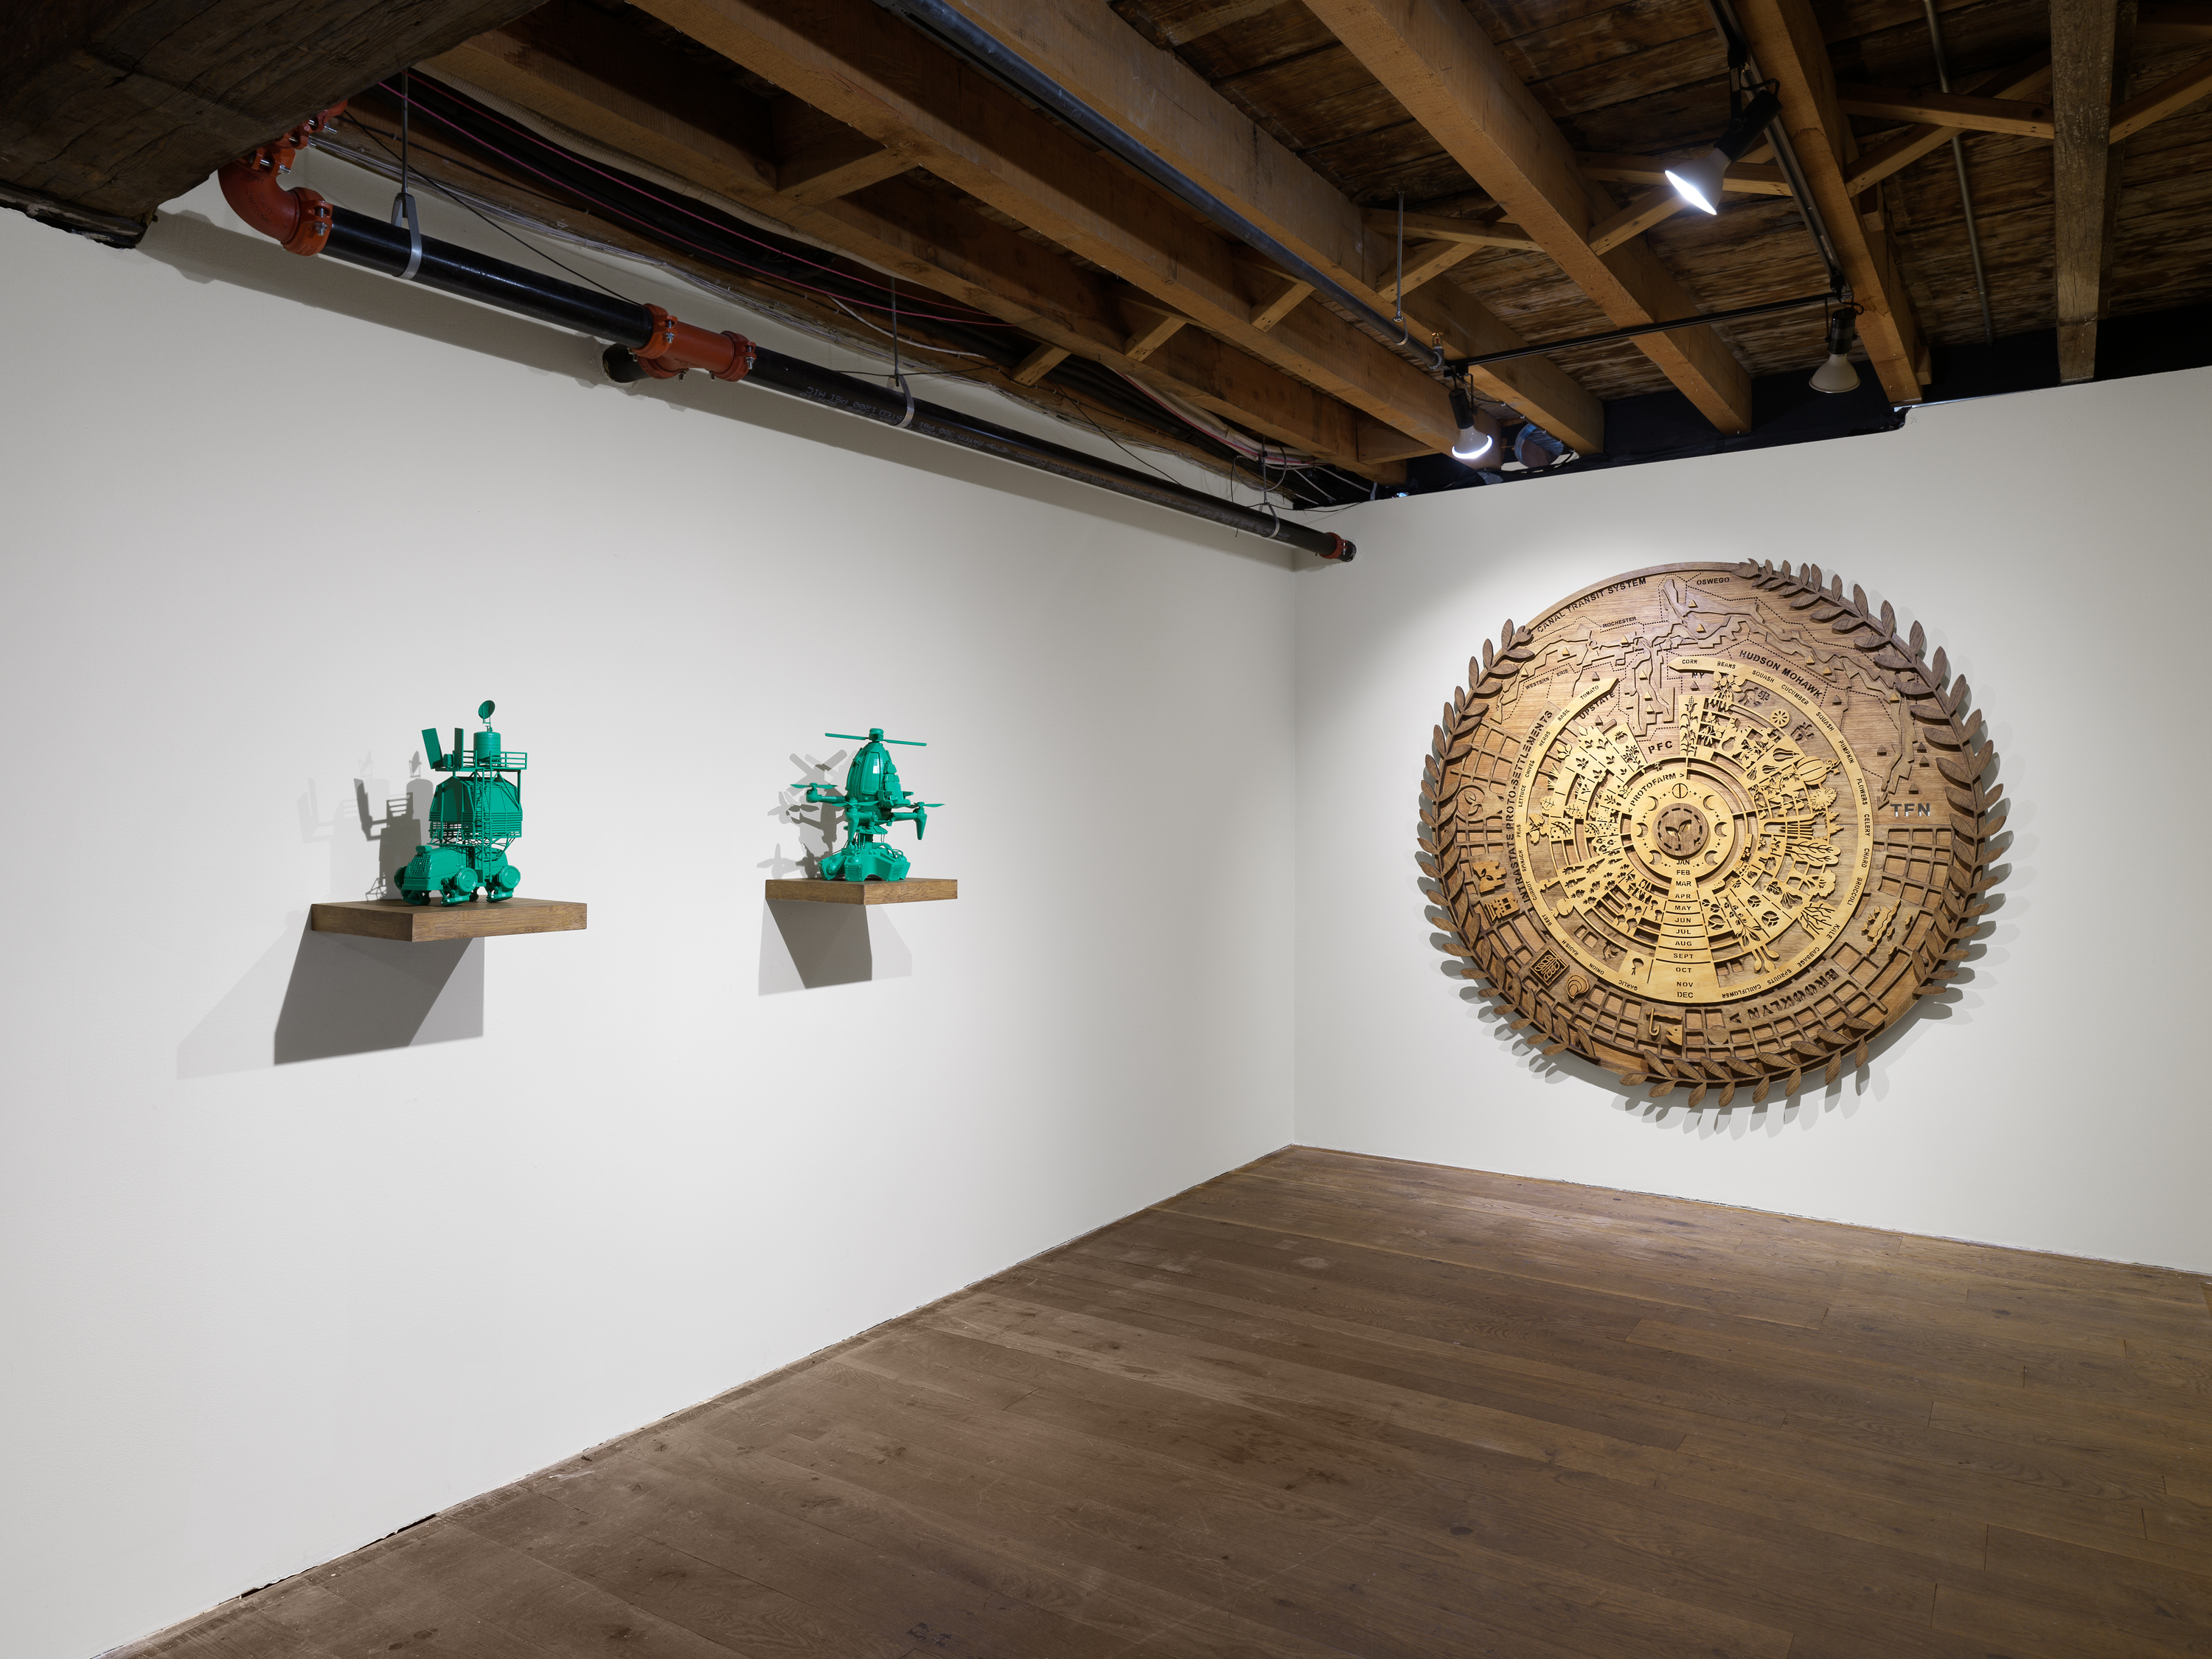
(1710, 825)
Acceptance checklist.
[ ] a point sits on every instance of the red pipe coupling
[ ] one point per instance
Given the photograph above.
(675, 346)
(300, 219)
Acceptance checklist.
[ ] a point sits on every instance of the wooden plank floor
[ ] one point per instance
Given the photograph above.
(1329, 1405)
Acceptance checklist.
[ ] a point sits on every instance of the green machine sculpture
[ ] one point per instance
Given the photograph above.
(475, 816)
(873, 801)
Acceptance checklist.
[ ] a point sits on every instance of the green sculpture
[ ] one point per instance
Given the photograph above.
(474, 817)
(873, 802)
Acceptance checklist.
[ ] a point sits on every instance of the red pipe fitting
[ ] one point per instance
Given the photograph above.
(300, 219)
(675, 346)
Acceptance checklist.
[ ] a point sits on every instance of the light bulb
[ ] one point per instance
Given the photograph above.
(1699, 182)
(1478, 429)
(1837, 374)
(1471, 445)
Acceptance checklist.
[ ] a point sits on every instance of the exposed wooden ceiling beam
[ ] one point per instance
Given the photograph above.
(1171, 110)
(595, 83)
(118, 108)
(2167, 98)
(2015, 116)
(1744, 178)
(854, 61)
(1901, 151)
(1433, 57)
(1786, 40)
(2084, 42)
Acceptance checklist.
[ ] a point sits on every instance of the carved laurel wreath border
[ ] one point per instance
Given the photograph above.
(1963, 754)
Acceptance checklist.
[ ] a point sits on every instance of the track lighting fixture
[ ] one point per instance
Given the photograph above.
(1699, 182)
(1478, 430)
(1838, 374)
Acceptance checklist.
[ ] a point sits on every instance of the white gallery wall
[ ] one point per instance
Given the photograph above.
(2056, 544)
(302, 1238)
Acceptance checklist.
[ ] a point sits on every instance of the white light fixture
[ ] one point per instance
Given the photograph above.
(1837, 374)
(1699, 182)
(1478, 430)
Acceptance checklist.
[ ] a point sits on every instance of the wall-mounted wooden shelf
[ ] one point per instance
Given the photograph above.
(478, 919)
(911, 891)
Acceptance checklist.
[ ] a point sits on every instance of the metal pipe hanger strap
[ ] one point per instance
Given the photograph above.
(991, 55)
(649, 343)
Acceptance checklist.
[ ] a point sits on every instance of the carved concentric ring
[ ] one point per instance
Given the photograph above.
(1710, 825)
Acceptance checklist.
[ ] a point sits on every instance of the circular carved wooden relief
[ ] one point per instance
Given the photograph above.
(1711, 826)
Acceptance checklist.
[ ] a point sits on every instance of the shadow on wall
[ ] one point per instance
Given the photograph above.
(313, 996)
(806, 946)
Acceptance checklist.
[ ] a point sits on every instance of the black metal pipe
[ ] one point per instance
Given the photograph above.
(851, 396)
(359, 239)
(1738, 314)
(987, 52)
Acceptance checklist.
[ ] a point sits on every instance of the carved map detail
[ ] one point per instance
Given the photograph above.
(1710, 825)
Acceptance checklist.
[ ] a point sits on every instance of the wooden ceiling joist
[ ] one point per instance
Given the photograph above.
(2084, 50)
(854, 61)
(2169, 97)
(1475, 233)
(580, 71)
(2015, 116)
(1901, 150)
(1434, 58)
(1786, 41)
(818, 160)
(1156, 97)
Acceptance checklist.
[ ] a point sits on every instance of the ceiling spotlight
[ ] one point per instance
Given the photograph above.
(1478, 430)
(1838, 374)
(1699, 182)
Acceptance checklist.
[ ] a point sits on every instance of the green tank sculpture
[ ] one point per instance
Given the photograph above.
(475, 816)
(873, 802)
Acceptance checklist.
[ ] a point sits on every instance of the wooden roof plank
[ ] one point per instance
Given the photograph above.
(898, 229)
(1785, 38)
(1168, 107)
(856, 62)
(1435, 60)
(118, 108)
(2174, 23)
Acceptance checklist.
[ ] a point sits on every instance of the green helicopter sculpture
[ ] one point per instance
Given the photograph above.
(873, 802)
(474, 817)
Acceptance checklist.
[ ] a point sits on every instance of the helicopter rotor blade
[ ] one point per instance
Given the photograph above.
(855, 736)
